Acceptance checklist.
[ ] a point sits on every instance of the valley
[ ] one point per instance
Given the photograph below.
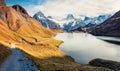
(41, 42)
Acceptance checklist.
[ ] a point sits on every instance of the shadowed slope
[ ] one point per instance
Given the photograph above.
(4, 52)
(110, 27)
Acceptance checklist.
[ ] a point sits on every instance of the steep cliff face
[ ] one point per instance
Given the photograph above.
(2, 3)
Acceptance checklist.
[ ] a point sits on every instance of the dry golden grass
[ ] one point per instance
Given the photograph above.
(42, 50)
(57, 30)
(48, 57)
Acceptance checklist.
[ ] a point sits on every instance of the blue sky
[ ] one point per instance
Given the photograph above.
(24, 3)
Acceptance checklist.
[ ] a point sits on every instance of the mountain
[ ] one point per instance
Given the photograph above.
(84, 17)
(90, 25)
(71, 23)
(16, 19)
(95, 20)
(2, 3)
(70, 16)
(110, 27)
(46, 21)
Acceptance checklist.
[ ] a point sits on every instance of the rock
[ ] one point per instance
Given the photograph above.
(21, 10)
(106, 63)
(2, 3)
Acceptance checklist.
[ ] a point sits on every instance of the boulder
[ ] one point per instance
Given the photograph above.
(105, 63)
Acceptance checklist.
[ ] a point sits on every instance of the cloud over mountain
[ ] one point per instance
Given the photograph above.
(59, 8)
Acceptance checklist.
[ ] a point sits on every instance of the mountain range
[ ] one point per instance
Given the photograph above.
(110, 27)
(100, 25)
(70, 22)
(83, 21)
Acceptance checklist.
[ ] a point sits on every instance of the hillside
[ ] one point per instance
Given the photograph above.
(110, 27)
(17, 27)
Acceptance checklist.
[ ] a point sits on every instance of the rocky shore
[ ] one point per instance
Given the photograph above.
(114, 65)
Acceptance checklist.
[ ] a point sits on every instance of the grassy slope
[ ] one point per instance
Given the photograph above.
(32, 38)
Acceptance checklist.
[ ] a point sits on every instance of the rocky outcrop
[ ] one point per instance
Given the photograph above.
(20, 9)
(2, 3)
(106, 63)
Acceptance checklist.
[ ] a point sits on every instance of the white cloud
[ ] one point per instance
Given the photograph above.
(59, 8)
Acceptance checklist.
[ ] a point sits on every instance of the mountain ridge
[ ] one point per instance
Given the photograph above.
(83, 22)
(46, 22)
(110, 27)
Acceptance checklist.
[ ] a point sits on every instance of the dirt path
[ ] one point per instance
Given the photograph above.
(17, 62)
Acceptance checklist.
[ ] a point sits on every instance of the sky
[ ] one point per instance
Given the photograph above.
(60, 8)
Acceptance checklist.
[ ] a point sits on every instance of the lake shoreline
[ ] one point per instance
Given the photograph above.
(79, 41)
(65, 63)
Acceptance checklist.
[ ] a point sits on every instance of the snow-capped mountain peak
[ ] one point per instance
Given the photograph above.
(83, 17)
(83, 21)
(46, 21)
(70, 16)
(70, 22)
(40, 14)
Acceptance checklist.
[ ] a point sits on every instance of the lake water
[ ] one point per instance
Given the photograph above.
(85, 47)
